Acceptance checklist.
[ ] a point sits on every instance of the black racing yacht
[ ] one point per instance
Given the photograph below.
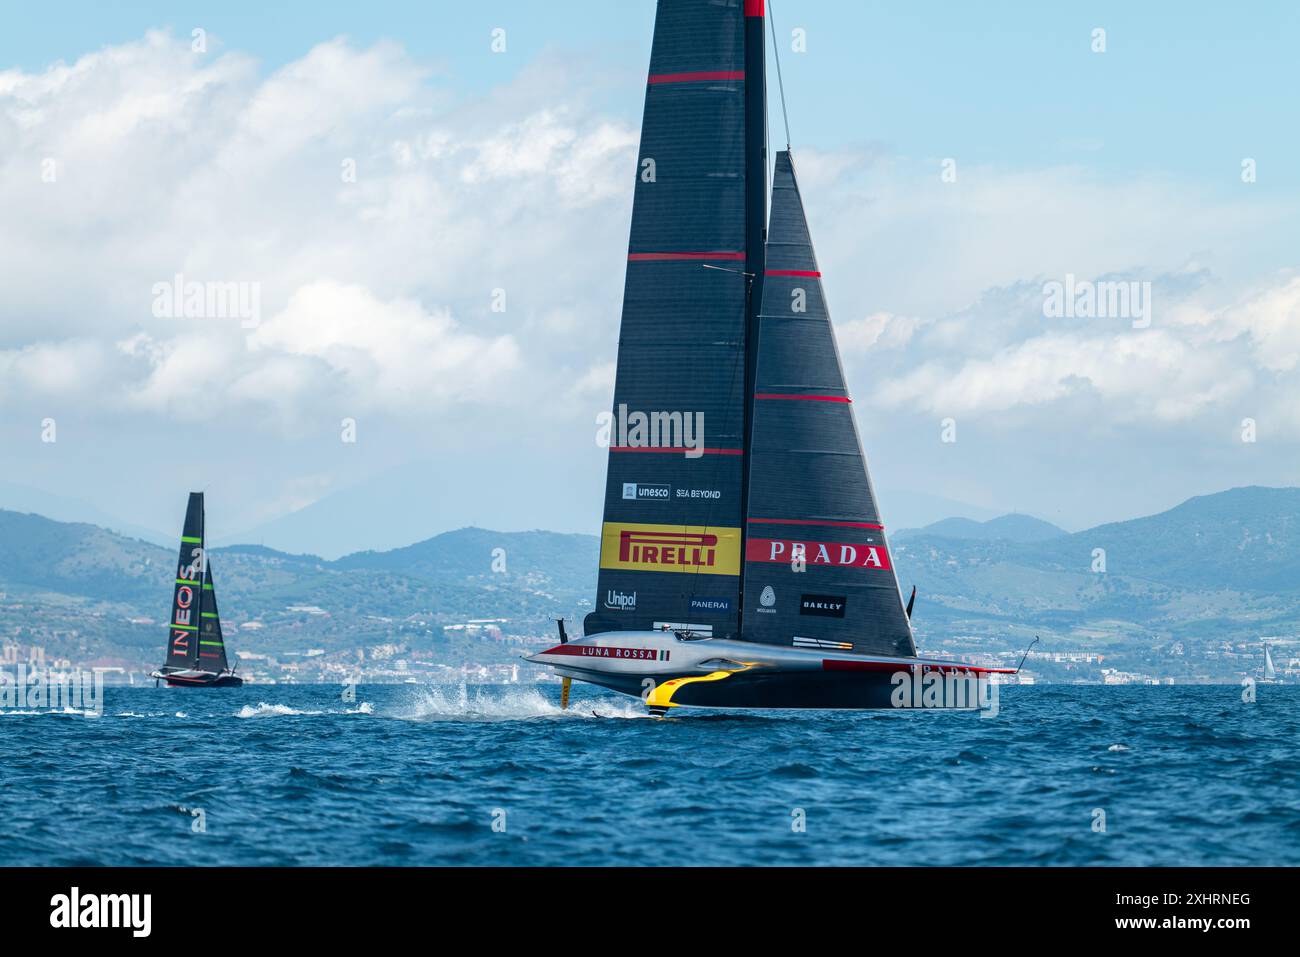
(196, 653)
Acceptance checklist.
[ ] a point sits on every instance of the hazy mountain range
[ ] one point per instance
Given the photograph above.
(389, 509)
(1218, 567)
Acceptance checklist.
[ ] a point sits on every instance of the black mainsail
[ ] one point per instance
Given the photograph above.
(671, 534)
(187, 596)
(817, 567)
(196, 652)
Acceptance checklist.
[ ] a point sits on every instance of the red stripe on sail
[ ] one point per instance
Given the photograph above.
(803, 398)
(753, 8)
(697, 76)
(675, 450)
(811, 273)
(813, 521)
(669, 257)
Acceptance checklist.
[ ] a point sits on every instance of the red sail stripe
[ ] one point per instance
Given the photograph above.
(697, 76)
(812, 273)
(677, 450)
(753, 8)
(668, 257)
(805, 398)
(812, 521)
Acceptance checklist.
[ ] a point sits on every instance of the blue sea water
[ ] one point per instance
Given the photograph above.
(412, 775)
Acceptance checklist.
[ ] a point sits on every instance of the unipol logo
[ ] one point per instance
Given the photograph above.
(835, 554)
(620, 600)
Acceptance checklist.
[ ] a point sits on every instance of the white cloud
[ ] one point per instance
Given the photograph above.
(377, 295)
(1137, 375)
(391, 355)
(880, 330)
(378, 290)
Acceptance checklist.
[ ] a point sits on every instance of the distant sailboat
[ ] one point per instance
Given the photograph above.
(748, 567)
(196, 653)
(1270, 673)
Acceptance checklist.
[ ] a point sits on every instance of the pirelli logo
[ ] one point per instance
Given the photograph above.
(693, 549)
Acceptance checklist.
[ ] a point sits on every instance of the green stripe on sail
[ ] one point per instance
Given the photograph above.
(206, 587)
(215, 644)
(191, 539)
(209, 614)
(185, 627)
(185, 581)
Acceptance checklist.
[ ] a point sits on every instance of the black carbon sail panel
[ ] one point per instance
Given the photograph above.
(187, 595)
(671, 532)
(818, 572)
(212, 649)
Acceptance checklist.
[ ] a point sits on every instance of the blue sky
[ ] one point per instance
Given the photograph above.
(482, 170)
(1183, 87)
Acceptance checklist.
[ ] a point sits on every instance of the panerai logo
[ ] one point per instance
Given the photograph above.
(620, 600)
(102, 910)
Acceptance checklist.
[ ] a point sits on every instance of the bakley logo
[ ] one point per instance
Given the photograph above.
(692, 549)
(102, 910)
(639, 492)
(827, 606)
(716, 605)
(835, 554)
(619, 600)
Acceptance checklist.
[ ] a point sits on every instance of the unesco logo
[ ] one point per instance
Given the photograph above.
(639, 492)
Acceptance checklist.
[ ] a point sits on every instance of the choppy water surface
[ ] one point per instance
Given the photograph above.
(409, 775)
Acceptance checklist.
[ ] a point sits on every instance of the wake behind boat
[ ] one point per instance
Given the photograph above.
(743, 560)
(196, 652)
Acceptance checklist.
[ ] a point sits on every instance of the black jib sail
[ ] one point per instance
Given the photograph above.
(818, 572)
(671, 540)
(212, 649)
(187, 597)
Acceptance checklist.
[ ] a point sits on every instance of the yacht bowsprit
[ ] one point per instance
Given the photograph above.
(752, 569)
(196, 652)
